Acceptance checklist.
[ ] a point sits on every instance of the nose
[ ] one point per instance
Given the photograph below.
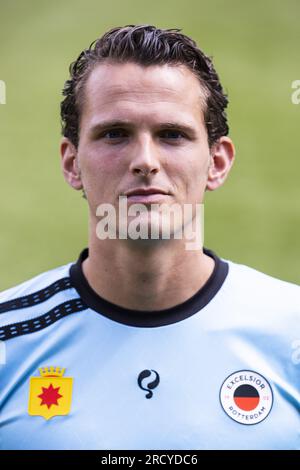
(144, 157)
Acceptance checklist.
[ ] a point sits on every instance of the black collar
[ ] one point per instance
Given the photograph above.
(144, 318)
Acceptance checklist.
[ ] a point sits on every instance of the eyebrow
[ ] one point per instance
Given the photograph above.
(110, 124)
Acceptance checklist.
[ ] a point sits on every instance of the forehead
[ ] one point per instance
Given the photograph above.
(133, 88)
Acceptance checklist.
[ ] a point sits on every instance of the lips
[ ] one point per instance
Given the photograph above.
(144, 192)
(146, 195)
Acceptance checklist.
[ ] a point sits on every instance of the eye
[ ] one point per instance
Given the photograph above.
(114, 134)
(172, 134)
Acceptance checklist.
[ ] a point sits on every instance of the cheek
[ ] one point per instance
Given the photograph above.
(100, 170)
(190, 178)
(93, 180)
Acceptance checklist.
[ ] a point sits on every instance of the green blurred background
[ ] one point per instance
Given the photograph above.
(254, 219)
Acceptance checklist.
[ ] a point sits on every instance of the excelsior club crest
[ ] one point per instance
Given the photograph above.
(50, 394)
(246, 397)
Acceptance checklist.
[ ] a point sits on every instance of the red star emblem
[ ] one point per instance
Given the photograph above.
(49, 396)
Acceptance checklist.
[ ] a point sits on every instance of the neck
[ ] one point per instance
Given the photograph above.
(140, 275)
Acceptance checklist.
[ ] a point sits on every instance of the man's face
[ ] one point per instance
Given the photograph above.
(142, 150)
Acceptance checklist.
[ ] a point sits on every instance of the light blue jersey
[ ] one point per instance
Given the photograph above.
(219, 371)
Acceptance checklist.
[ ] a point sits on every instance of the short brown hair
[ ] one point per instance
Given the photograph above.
(145, 45)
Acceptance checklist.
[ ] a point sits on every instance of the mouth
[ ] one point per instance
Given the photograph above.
(147, 198)
(146, 195)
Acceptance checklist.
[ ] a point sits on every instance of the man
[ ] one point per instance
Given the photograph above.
(143, 343)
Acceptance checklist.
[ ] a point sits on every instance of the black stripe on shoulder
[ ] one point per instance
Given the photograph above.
(39, 323)
(36, 297)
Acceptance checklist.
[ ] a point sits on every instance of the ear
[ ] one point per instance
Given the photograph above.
(69, 164)
(221, 160)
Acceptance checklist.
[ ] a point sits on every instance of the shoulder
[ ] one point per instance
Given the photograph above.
(243, 275)
(42, 282)
(34, 298)
(258, 292)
